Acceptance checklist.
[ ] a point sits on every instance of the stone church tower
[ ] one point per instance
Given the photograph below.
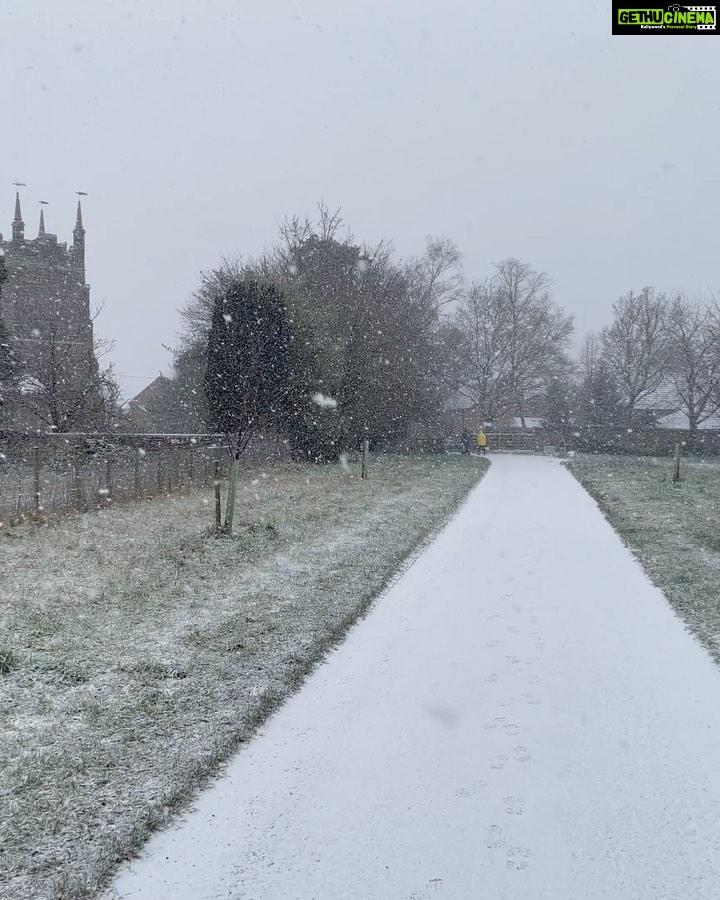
(45, 305)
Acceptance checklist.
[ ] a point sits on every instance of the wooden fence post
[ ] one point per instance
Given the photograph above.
(176, 465)
(191, 466)
(159, 472)
(78, 492)
(218, 506)
(365, 455)
(36, 479)
(676, 470)
(108, 479)
(138, 490)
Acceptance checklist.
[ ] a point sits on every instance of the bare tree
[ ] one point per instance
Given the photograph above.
(694, 357)
(635, 346)
(515, 339)
(483, 323)
(538, 332)
(67, 389)
(435, 280)
(589, 357)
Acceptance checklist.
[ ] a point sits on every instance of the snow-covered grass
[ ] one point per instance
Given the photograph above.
(673, 529)
(137, 651)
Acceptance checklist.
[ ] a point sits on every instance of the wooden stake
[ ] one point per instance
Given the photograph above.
(218, 505)
(676, 470)
(78, 491)
(36, 479)
(138, 493)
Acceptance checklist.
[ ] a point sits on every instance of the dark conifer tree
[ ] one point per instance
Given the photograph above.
(248, 375)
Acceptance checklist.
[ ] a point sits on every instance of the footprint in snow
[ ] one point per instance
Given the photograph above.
(498, 762)
(518, 858)
(470, 790)
(491, 679)
(521, 754)
(494, 839)
(513, 630)
(514, 806)
(430, 890)
(532, 699)
(494, 723)
(511, 728)
(493, 644)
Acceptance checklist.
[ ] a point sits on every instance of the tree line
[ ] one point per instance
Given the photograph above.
(657, 341)
(360, 344)
(326, 340)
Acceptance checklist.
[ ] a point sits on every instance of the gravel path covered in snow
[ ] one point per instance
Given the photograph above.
(521, 717)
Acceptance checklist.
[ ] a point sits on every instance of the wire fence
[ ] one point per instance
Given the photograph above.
(40, 480)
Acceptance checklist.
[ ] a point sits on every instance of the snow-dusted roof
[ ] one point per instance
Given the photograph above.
(530, 422)
(459, 401)
(665, 396)
(679, 420)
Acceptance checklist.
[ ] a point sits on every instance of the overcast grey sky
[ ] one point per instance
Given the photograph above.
(519, 129)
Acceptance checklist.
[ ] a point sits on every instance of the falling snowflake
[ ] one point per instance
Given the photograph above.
(324, 402)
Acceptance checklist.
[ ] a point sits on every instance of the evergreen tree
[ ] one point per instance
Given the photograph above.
(248, 375)
(600, 401)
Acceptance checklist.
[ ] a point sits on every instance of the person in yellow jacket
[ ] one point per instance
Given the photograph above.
(481, 441)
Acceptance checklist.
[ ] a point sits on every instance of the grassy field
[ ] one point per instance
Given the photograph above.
(673, 529)
(137, 651)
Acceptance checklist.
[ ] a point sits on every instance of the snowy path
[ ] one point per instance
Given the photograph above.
(521, 717)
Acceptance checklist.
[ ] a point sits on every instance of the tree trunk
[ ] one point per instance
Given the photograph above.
(231, 494)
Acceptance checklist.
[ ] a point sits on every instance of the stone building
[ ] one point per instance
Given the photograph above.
(45, 305)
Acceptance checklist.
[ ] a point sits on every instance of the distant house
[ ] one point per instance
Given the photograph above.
(666, 409)
(679, 421)
(155, 409)
(463, 413)
(532, 423)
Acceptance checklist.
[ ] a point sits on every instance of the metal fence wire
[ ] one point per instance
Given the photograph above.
(42, 480)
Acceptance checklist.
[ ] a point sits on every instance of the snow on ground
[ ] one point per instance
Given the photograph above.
(673, 529)
(136, 651)
(521, 717)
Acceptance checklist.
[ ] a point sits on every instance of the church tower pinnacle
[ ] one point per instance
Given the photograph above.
(79, 238)
(18, 226)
